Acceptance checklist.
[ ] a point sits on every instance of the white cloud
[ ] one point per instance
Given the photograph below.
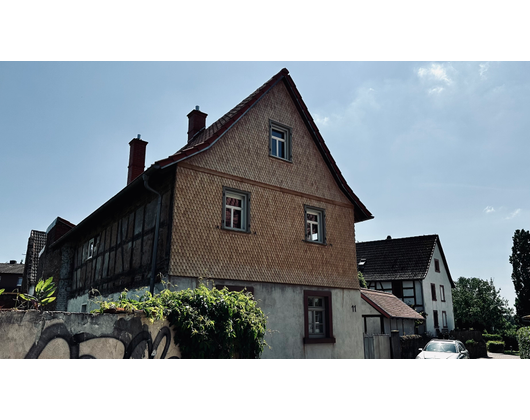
(513, 214)
(483, 68)
(321, 120)
(436, 73)
(436, 90)
(489, 209)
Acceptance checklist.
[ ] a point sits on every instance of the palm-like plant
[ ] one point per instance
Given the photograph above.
(44, 291)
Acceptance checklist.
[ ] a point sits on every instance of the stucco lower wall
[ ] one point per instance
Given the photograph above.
(63, 335)
(284, 307)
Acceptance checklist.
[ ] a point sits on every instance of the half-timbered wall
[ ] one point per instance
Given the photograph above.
(117, 254)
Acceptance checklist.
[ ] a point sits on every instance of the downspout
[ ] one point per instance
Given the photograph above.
(157, 226)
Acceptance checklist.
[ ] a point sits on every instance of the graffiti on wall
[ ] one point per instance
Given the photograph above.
(139, 346)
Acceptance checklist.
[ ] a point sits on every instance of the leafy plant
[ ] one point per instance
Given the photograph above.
(44, 291)
(362, 281)
(2, 291)
(209, 323)
(523, 337)
(495, 346)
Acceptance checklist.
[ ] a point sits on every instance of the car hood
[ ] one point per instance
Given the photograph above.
(437, 355)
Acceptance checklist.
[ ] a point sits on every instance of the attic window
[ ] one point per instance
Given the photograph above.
(436, 265)
(280, 141)
(361, 264)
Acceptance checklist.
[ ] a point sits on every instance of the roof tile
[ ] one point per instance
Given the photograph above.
(391, 305)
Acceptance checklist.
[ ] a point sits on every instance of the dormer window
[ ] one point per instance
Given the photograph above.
(280, 141)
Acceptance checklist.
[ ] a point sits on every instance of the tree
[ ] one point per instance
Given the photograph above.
(477, 304)
(362, 281)
(520, 261)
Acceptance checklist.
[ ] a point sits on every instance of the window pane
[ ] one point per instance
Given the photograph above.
(237, 219)
(314, 232)
(228, 218)
(319, 302)
(273, 148)
(232, 201)
(281, 149)
(312, 217)
(277, 133)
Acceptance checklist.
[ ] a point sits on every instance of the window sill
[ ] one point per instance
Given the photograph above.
(235, 230)
(281, 159)
(314, 242)
(308, 340)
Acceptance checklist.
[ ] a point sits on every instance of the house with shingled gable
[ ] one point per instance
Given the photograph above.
(253, 201)
(415, 270)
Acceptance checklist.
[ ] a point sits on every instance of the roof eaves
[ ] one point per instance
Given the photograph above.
(319, 140)
(374, 305)
(445, 262)
(225, 123)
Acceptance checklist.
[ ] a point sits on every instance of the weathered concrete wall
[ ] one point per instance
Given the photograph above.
(63, 335)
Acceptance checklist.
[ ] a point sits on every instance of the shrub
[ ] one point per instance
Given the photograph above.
(209, 323)
(523, 338)
(495, 346)
(510, 339)
(491, 337)
(470, 343)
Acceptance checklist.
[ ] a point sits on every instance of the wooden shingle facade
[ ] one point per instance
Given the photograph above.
(254, 200)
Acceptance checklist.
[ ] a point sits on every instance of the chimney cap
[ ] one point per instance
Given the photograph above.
(389, 237)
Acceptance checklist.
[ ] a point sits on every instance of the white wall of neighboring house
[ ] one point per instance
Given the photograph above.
(438, 279)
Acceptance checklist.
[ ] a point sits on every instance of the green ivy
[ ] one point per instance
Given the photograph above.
(208, 323)
(523, 338)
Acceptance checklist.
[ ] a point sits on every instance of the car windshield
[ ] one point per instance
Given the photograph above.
(441, 347)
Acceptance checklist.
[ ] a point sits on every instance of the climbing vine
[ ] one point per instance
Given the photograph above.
(209, 323)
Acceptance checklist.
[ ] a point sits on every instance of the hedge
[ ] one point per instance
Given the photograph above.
(523, 338)
(491, 337)
(495, 346)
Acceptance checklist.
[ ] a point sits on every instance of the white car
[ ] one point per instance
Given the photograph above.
(443, 349)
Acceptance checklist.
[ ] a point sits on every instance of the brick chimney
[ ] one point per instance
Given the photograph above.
(196, 122)
(136, 159)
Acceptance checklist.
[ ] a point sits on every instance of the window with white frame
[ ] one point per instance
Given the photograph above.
(442, 293)
(280, 141)
(318, 317)
(316, 313)
(236, 214)
(314, 225)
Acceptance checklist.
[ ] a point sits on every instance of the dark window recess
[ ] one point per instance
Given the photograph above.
(435, 318)
(433, 291)
(437, 265)
(397, 288)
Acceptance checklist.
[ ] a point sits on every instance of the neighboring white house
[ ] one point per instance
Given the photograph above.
(415, 270)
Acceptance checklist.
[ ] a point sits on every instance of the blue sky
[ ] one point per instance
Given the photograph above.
(428, 146)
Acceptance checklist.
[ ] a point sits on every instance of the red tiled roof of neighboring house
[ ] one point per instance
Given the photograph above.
(389, 305)
(398, 259)
(205, 138)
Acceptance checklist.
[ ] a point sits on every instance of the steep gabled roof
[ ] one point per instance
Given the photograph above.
(389, 305)
(398, 259)
(205, 138)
